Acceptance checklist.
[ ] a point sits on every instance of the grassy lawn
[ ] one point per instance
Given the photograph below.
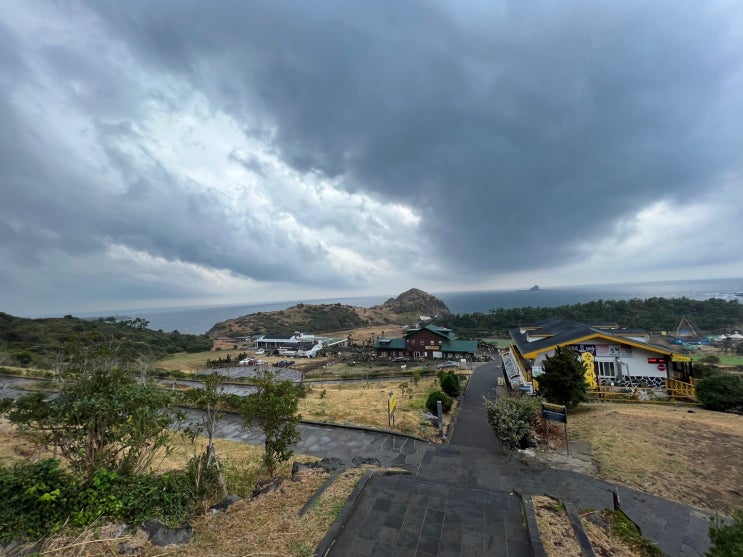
(185, 361)
(725, 359)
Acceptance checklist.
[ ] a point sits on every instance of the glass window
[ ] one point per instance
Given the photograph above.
(606, 369)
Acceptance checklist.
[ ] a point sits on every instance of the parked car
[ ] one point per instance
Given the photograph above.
(248, 362)
(284, 363)
(401, 359)
(445, 365)
(260, 352)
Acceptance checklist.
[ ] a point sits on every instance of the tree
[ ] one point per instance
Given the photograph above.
(103, 419)
(563, 381)
(144, 363)
(274, 408)
(212, 404)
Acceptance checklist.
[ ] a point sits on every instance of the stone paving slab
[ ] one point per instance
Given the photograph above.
(409, 515)
(470, 485)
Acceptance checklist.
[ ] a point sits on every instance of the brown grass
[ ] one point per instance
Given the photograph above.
(365, 403)
(554, 527)
(691, 456)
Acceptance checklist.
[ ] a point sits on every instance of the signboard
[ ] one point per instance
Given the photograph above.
(536, 371)
(604, 350)
(589, 371)
(656, 361)
(555, 413)
(391, 405)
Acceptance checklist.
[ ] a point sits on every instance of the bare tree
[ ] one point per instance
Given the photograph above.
(144, 363)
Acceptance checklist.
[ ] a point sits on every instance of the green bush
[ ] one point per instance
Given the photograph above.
(727, 539)
(434, 397)
(134, 499)
(511, 419)
(40, 498)
(721, 392)
(449, 384)
(36, 499)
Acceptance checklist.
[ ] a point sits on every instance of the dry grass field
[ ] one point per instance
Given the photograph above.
(694, 456)
(365, 403)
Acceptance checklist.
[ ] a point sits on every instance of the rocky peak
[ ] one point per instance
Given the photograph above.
(415, 300)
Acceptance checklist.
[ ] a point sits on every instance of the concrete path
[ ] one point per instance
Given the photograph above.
(462, 499)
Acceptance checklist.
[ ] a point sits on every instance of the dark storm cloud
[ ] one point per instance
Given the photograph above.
(533, 123)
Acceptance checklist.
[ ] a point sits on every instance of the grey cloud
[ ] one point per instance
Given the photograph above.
(515, 130)
(518, 120)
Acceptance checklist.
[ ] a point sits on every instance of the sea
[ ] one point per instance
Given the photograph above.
(198, 320)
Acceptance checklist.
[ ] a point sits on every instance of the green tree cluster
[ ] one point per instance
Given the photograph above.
(39, 342)
(653, 314)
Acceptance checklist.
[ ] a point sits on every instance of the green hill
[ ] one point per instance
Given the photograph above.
(35, 342)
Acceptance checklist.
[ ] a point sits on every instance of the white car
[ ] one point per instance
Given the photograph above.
(260, 352)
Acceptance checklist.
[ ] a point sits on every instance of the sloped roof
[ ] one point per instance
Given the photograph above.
(466, 346)
(390, 343)
(441, 331)
(558, 332)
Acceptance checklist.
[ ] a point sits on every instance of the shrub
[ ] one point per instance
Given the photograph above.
(204, 478)
(511, 419)
(136, 498)
(721, 392)
(37, 499)
(40, 498)
(727, 539)
(449, 384)
(434, 397)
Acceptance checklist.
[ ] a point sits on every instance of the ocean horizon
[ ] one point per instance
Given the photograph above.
(198, 320)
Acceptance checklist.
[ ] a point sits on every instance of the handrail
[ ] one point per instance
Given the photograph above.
(679, 388)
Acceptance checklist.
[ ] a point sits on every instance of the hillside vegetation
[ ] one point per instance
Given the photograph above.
(653, 314)
(320, 318)
(37, 342)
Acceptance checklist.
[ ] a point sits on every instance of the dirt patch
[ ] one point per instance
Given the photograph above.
(555, 530)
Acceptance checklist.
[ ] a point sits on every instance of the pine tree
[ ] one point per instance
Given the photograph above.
(563, 381)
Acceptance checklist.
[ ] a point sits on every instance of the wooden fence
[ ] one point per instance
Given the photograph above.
(674, 391)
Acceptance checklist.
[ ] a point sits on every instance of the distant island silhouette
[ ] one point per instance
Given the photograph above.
(534, 288)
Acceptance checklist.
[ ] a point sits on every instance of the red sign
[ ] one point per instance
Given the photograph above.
(656, 361)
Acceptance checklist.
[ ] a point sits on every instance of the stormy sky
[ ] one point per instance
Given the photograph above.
(161, 153)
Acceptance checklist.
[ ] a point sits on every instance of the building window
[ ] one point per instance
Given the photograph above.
(441, 342)
(423, 343)
(606, 370)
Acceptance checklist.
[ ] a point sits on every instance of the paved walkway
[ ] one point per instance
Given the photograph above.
(461, 499)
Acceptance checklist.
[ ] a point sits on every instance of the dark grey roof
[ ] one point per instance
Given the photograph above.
(558, 331)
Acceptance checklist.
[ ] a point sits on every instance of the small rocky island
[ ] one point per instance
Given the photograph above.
(535, 288)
